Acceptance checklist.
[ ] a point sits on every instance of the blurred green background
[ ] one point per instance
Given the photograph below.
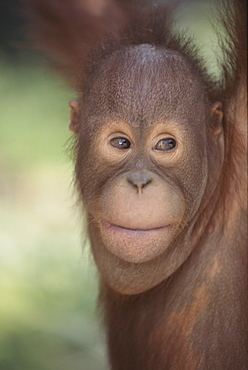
(48, 283)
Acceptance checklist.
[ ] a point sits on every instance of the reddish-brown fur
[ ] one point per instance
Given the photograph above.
(196, 318)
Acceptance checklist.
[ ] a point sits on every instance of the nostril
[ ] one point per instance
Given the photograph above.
(146, 182)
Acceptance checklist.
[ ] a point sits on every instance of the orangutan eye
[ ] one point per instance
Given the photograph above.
(165, 145)
(120, 143)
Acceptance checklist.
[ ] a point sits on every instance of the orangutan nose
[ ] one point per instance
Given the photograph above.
(140, 179)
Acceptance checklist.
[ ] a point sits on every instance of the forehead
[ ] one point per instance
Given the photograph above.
(145, 83)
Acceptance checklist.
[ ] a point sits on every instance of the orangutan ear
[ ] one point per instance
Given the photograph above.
(74, 124)
(216, 118)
